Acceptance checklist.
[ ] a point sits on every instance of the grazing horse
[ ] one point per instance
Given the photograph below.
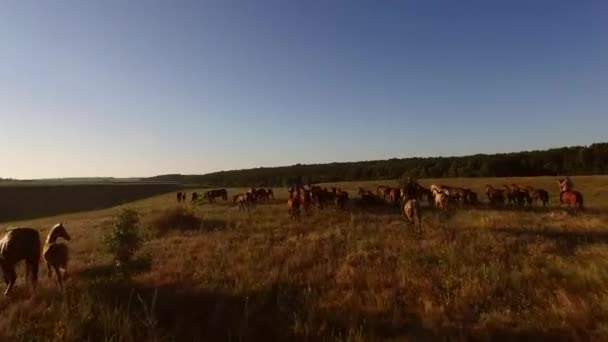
(211, 195)
(541, 195)
(16, 245)
(572, 198)
(179, 196)
(411, 212)
(55, 253)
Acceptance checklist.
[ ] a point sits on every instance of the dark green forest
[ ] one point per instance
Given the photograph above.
(577, 160)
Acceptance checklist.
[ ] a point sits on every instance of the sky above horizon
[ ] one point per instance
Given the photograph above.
(141, 88)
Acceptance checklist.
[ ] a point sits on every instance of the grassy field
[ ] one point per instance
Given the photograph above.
(355, 275)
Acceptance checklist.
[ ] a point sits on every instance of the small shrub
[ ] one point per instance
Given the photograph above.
(124, 238)
(178, 218)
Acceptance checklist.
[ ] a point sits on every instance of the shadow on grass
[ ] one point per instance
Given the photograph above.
(567, 241)
(184, 219)
(112, 271)
(279, 313)
(376, 207)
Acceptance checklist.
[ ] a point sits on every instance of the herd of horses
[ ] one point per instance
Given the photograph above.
(306, 198)
(24, 244)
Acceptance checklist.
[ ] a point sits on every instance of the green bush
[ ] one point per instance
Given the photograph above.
(124, 239)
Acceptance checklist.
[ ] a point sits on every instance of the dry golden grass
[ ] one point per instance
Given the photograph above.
(358, 274)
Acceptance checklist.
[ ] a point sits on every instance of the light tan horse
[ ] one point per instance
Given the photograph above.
(411, 212)
(16, 245)
(56, 254)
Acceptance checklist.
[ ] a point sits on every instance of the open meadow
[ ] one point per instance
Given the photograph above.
(214, 272)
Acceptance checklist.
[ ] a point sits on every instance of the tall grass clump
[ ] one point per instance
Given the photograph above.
(124, 239)
(179, 218)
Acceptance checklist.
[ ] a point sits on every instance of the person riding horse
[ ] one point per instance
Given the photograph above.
(410, 188)
(565, 185)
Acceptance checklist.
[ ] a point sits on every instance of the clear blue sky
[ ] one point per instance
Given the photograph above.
(139, 88)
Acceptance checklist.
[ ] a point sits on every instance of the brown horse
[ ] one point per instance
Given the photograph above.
(495, 196)
(16, 245)
(471, 198)
(293, 204)
(541, 195)
(179, 196)
(382, 191)
(367, 196)
(394, 196)
(341, 198)
(211, 195)
(572, 198)
(306, 201)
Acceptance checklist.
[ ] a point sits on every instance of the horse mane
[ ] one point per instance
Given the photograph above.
(51, 235)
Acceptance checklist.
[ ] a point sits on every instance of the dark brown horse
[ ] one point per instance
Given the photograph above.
(495, 196)
(211, 195)
(341, 198)
(572, 198)
(16, 245)
(541, 195)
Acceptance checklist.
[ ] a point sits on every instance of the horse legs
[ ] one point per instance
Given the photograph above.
(32, 270)
(59, 278)
(49, 270)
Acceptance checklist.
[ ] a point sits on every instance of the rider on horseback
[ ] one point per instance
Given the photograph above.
(565, 185)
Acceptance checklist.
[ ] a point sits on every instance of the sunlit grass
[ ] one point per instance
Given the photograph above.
(337, 275)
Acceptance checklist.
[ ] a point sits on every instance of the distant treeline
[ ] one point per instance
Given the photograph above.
(579, 160)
